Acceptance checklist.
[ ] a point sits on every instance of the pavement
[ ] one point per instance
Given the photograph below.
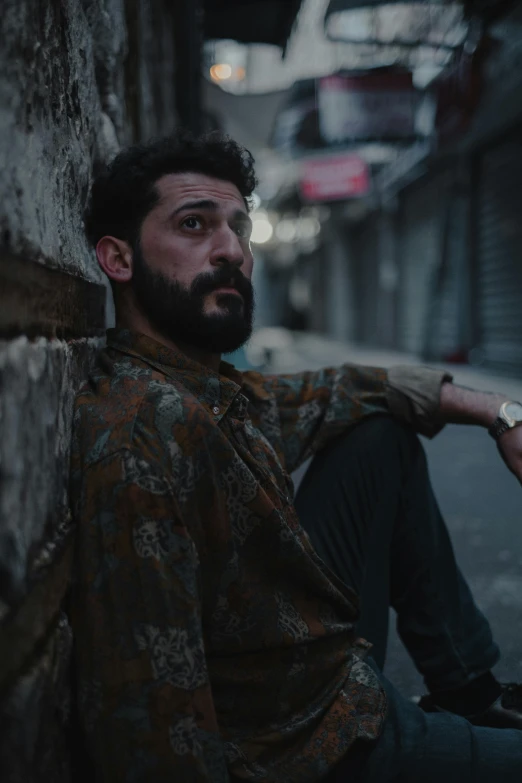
(479, 497)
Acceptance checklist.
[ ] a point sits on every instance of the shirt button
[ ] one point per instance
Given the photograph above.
(215, 410)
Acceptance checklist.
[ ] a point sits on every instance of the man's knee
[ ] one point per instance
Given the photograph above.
(375, 439)
(377, 432)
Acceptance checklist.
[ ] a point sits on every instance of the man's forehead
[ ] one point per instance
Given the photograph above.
(174, 189)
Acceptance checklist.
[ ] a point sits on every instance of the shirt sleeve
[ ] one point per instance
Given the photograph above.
(414, 395)
(314, 407)
(144, 691)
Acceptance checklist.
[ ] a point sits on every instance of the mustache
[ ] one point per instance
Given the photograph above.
(224, 277)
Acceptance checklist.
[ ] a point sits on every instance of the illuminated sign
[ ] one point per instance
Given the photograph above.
(333, 177)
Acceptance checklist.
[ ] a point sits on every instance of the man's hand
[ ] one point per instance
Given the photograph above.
(510, 447)
(459, 405)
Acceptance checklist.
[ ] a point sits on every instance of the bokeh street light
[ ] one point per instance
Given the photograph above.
(286, 230)
(224, 72)
(262, 229)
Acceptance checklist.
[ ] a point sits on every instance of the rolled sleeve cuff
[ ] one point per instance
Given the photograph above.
(413, 394)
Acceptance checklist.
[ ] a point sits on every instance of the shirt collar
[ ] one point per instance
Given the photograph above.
(215, 390)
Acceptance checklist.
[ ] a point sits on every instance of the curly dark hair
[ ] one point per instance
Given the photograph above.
(124, 193)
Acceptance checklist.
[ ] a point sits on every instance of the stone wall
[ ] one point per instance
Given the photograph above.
(78, 78)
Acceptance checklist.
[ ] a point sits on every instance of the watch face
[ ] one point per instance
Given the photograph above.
(514, 411)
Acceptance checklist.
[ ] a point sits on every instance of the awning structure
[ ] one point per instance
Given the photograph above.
(487, 10)
(249, 118)
(437, 23)
(415, 34)
(406, 35)
(323, 96)
(332, 35)
(250, 21)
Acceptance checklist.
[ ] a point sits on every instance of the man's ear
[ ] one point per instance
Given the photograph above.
(115, 258)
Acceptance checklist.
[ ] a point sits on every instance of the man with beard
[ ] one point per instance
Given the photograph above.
(220, 626)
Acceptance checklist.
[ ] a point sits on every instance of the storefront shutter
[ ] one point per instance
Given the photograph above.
(499, 257)
(366, 263)
(419, 252)
(443, 338)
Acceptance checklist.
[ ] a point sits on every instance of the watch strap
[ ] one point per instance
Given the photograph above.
(504, 422)
(498, 428)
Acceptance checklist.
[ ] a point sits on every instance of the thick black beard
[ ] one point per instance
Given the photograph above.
(178, 312)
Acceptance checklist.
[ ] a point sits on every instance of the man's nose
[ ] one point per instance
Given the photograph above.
(227, 249)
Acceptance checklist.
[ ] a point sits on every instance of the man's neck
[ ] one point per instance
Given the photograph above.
(141, 325)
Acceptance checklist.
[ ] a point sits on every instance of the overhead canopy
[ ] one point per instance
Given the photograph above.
(250, 21)
(436, 23)
(487, 9)
(249, 119)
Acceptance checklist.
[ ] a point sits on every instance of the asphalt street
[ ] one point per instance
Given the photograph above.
(479, 497)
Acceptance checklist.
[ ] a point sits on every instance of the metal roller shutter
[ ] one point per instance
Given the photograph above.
(366, 256)
(419, 252)
(444, 339)
(499, 257)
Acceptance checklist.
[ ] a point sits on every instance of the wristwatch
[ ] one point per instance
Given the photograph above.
(509, 416)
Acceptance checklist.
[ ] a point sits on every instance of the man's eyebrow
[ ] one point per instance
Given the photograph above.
(204, 203)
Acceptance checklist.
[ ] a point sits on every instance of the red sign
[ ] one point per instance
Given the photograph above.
(335, 177)
(367, 106)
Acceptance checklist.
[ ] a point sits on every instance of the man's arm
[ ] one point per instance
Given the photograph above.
(459, 405)
(315, 407)
(144, 692)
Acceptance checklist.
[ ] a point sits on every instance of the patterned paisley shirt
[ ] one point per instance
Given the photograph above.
(212, 642)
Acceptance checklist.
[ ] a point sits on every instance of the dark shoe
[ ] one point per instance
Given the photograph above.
(504, 713)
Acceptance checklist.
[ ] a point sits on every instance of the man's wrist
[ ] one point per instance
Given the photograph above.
(492, 405)
(460, 405)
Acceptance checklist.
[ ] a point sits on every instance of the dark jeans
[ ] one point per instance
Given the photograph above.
(367, 504)
(436, 748)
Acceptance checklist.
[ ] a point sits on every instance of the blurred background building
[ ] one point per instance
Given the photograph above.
(388, 141)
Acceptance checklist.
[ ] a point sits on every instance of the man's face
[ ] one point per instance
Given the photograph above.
(191, 274)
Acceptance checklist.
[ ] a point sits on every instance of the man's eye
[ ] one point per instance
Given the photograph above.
(192, 222)
(243, 230)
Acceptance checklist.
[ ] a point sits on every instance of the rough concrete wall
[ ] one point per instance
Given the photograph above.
(38, 379)
(51, 127)
(67, 101)
(151, 66)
